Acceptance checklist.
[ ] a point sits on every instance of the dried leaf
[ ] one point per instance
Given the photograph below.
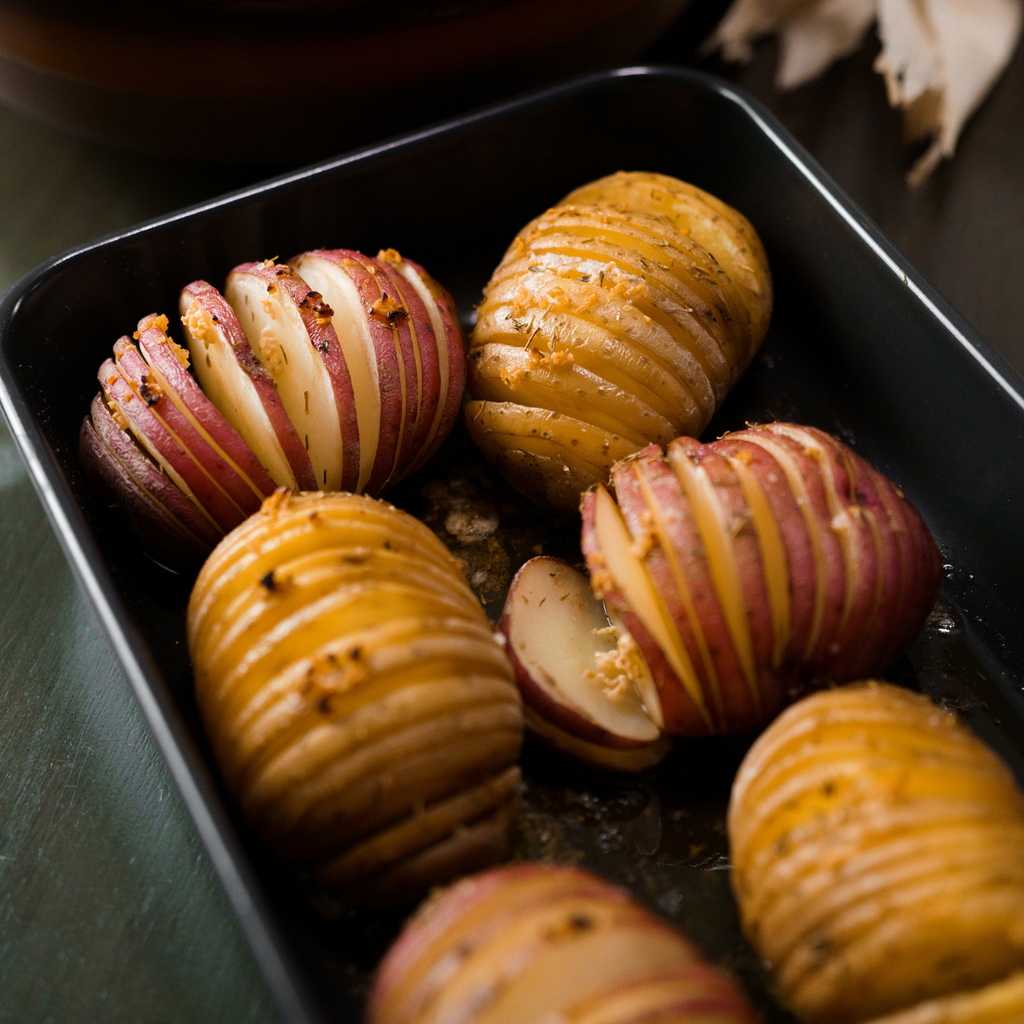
(812, 33)
(939, 57)
(819, 35)
(747, 20)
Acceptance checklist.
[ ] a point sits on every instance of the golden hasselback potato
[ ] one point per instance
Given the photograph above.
(358, 705)
(620, 317)
(878, 861)
(545, 943)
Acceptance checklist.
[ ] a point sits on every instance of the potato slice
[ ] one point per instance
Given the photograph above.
(615, 567)
(290, 329)
(404, 349)
(724, 231)
(168, 524)
(581, 678)
(422, 829)
(494, 420)
(235, 381)
(131, 402)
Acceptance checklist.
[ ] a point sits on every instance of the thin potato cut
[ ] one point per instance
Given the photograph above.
(615, 340)
(878, 861)
(400, 653)
(320, 793)
(999, 1003)
(269, 542)
(299, 597)
(588, 294)
(662, 275)
(508, 431)
(635, 285)
(724, 231)
(358, 705)
(391, 847)
(586, 442)
(539, 942)
(512, 374)
(291, 332)
(697, 994)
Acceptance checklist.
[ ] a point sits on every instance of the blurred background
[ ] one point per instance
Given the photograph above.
(109, 909)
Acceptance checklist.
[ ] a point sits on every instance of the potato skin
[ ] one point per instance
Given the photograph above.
(542, 942)
(784, 561)
(358, 705)
(620, 317)
(877, 857)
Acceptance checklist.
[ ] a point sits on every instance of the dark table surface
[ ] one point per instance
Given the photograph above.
(109, 907)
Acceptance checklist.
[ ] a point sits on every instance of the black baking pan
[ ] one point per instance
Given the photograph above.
(860, 345)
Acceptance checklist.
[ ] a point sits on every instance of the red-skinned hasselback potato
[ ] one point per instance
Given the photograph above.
(540, 942)
(348, 381)
(752, 568)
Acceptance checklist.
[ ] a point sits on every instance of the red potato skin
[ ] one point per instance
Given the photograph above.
(678, 708)
(393, 344)
(450, 926)
(156, 348)
(227, 323)
(747, 553)
(456, 348)
(166, 523)
(712, 999)
(136, 372)
(424, 385)
(869, 617)
(923, 563)
(682, 717)
(862, 576)
(325, 340)
(727, 691)
(547, 707)
(410, 412)
(835, 566)
(880, 589)
(443, 913)
(138, 465)
(850, 571)
(144, 424)
(792, 527)
(902, 609)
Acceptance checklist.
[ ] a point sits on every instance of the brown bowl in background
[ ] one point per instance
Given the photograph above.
(280, 81)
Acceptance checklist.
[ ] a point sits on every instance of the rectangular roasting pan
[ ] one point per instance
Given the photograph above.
(860, 345)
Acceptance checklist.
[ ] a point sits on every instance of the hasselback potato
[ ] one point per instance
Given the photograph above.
(620, 317)
(753, 567)
(359, 708)
(544, 943)
(878, 860)
(348, 381)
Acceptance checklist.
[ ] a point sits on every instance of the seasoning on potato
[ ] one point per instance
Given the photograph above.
(878, 860)
(358, 705)
(620, 317)
(539, 942)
